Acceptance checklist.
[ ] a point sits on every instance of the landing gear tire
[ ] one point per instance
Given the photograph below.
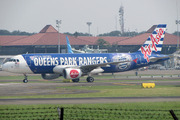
(25, 80)
(90, 79)
(75, 80)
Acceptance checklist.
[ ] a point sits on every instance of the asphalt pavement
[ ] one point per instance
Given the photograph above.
(28, 89)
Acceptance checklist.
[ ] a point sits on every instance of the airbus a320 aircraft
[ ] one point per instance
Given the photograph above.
(73, 66)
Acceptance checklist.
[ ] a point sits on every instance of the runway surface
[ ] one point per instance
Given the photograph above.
(132, 72)
(87, 100)
(29, 89)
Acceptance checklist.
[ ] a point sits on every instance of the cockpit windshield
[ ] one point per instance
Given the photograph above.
(13, 60)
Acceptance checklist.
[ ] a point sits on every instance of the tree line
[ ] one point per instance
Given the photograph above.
(15, 32)
(112, 33)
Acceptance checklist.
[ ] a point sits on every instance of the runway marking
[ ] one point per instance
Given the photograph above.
(43, 80)
(122, 84)
(9, 83)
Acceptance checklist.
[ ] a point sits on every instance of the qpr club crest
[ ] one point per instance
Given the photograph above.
(122, 57)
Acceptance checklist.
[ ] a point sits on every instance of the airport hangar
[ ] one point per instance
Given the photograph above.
(46, 41)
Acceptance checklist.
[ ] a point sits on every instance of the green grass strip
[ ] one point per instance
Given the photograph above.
(142, 110)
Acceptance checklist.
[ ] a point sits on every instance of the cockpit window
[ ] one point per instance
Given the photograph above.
(10, 60)
(14, 60)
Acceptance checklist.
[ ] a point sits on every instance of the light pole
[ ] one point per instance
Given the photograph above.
(89, 23)
(58, 22)
(177, 22)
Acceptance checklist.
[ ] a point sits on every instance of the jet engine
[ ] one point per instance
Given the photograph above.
(50, 76)
(70, 73)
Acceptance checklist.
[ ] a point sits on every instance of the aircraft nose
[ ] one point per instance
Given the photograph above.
(5, 67)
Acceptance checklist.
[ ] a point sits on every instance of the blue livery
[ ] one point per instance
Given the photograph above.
(73, 66)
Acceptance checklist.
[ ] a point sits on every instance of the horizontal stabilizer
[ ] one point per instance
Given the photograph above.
(154, 59)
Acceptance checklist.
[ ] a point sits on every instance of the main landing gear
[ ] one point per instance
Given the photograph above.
(89, 79)
(25, 78)
(75, 80)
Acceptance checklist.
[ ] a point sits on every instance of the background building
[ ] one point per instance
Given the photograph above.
(46, 41)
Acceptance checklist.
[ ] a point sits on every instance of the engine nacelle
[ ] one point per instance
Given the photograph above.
(49, 76)
(70, 73)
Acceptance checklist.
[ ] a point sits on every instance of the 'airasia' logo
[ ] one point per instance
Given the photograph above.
(74, 73)
(147, 50)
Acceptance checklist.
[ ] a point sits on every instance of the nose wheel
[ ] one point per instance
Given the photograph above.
(25, 79)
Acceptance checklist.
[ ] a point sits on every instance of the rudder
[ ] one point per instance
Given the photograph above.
(155, 41)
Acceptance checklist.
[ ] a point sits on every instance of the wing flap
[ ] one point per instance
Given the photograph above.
(86, 68)
(89, 68)
(104, 64)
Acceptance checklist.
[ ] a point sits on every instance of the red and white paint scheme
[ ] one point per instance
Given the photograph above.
(70, 73)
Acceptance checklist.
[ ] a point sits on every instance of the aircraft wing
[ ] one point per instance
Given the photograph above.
(89, 68)
(86, 68)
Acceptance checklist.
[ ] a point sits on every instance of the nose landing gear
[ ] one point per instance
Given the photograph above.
(25, 78)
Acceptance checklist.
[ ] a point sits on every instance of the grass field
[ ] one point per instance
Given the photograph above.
(125, 111)
(117, 89)
(114, 90)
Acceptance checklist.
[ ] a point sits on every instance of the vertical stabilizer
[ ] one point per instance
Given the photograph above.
(68, 45)
(154, 43)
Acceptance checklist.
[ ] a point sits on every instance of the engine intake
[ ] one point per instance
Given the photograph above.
(70, 73)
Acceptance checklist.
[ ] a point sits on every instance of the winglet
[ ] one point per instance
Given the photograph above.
(68, 45)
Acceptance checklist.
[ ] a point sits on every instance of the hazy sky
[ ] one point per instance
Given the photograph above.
(140, 15)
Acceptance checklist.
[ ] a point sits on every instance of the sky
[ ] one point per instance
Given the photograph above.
(139, 15)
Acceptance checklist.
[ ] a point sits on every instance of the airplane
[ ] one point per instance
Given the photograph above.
(68, 45)
(73, 66)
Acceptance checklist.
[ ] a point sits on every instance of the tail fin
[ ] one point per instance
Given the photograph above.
(68, 45)
(154, 43)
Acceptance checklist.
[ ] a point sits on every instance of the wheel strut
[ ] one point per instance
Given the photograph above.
(25, 78)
